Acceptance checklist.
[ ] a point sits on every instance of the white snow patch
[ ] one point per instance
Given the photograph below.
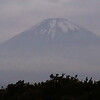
(66, 25)
(72, 26)
(43, 31)
(52, 28)
(63, 24)
(63, 27)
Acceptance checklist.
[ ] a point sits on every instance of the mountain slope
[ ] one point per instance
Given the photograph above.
(55, 44)
(51, 32)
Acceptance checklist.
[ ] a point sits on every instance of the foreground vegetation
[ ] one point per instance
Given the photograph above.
(57, 88)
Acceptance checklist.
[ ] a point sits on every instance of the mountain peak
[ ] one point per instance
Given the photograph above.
(55, 30)
(56, 19)
(55, 26)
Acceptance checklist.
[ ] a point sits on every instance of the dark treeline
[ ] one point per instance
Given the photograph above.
(59, 87)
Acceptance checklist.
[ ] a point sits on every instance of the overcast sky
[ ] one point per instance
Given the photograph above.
(19, 15)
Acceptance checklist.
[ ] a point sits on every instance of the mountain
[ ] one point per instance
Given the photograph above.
(53, 33)
(55, 44)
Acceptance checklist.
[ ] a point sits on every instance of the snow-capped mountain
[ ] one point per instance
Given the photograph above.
(52, 31)
(54, 27)
(55, 44)
(58, 28)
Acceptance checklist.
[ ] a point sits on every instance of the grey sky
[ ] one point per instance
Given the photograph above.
(19, 15)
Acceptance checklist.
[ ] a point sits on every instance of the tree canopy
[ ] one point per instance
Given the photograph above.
(58, 87)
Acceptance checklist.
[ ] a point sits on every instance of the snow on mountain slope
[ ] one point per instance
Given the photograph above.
(55, 44)
(57, 23)
(50, 35)
(55, 30)
(54, 26)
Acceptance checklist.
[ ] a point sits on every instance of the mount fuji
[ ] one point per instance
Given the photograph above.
(53, 33)
(53, 45)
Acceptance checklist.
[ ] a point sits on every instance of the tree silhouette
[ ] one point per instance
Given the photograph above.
(59, 87)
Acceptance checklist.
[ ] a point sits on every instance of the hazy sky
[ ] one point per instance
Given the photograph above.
(19, 15)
